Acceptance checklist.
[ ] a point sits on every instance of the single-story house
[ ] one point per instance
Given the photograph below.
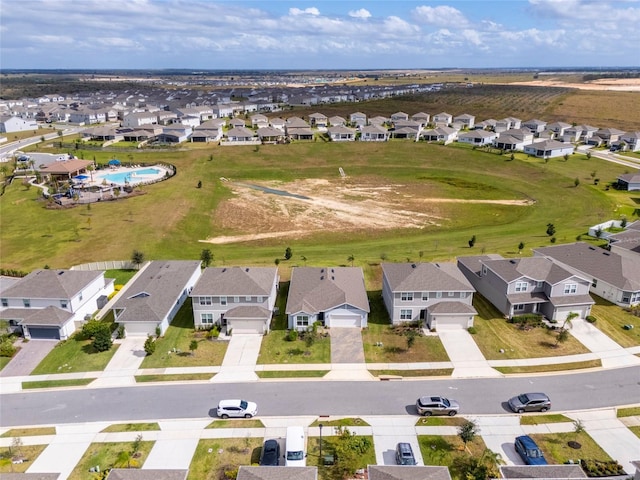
(337, 121)
(358, 119)
(144, 474)
(341, 134)
(549, 149)
(546, 472)
(270, 134)
(477, 137)
(465, 119)
(318, 120)
(239, 134)
(50, 304)
(440, 134)
(399, 116)
(154, 296)
(334, 296)
(374, 133)
(242, 299)
(408, 472)
(536, 126)
(246, 472)
(442, 119)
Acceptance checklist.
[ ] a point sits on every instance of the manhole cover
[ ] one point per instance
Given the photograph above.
(574, 445)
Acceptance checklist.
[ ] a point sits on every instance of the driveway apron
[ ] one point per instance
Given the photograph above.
(465, 355)
(28, 357)
(346, 345)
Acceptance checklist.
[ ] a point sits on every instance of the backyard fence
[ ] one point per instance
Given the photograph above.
(107, 265)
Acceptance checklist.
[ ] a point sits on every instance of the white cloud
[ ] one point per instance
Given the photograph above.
(362, 13)
(307, 11)
(442, 16)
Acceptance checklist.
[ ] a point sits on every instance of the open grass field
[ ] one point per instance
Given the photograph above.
(433, 198)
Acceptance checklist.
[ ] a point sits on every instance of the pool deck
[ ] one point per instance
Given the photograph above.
(98, 176)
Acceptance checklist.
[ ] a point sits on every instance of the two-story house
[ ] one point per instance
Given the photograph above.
(242, 299)
(334, 296)
(46, 304)
(528, 285)
(436, 294)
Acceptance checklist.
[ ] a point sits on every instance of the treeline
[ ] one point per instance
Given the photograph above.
(598, 76)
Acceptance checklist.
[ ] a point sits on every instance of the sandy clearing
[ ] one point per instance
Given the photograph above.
(524, 203)
(611, 84)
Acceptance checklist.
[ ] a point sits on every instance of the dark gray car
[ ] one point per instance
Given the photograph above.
(530, 402)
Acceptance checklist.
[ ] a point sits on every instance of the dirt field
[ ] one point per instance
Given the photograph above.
(612, 84)
(341, 205)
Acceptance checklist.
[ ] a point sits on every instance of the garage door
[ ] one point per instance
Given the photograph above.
(44, 333)
(450, 323)
(344, 321)
(246, 326)
(140, 329)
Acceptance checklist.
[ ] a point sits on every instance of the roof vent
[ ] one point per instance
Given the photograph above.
(224, 270)
(332, 270)
(512, 261)
(413, 265)
(322, 277)
(592, 248)
(333, 278)
(246, 269)
(606, 253)
(322, 270)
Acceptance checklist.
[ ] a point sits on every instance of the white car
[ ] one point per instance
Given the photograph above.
(236, 408)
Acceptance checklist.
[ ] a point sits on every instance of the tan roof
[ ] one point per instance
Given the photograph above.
(235, 281)
(277, 473)
(408, 472)
(151, 474)
(67, 166)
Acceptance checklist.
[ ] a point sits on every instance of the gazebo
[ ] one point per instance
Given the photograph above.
(66, 170)
(114, 163)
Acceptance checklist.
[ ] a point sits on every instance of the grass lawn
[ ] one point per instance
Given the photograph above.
(441, 421)
(237, 423)
(29, 432)
(30, 452)
(448, 451)
(178, 336)
(74, 355)
(636, 430)
(328, 447)
(213, 457)
(131, 427)
(120, 276)
(628, 412)
(494, 333)
(610, 320)
(556, 367)
(292, 373)
(434, 372)
(174, 377)
(73, 382)
(555, 448)
(545, 418)
(341, 422)
(4, 361)
(106, 455)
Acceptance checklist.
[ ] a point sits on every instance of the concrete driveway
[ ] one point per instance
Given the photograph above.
(31, 353)
(346, 345)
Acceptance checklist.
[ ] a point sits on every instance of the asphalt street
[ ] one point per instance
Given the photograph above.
(574, 391)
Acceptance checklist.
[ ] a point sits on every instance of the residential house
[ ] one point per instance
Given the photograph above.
(399, 116)
(48, 304)
(558, 128)
(542, 472)
(154, 296)
(536, 126)
(222, 110)
(549, 149)
(468, 121)
(626, 243)
(631, 140)
(239, 134)
(421, 117)
(609, 135)
(477, 137)
(270, 135)
(334, 296)
(140, 474)
(139, 119)
(509, 142)
(259, 120)
(405, 133)
(341, 134)
(246, 472)
(337, 121)
(237, 123)
(378, 120)
(318, 120)
(614, 277)
(209, 131)
(440, 134)
(175, 133)
(489, 124)
(572, 134)
(407, 472)
(508, 123)
(242, 299)
(86, 116)
(442, 119)
(166, 117)
(436, 294)
(297, 129)
(358, 119)
(373, 133)
(528, 285)
(10, 124)
(629, 181)
(278, 123)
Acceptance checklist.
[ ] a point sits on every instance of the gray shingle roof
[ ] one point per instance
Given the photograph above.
(406, 472)
(151, 474)
(535, 268)
(422, 277)
(452, 308)
(277, 473)
(315, 290)
(542, 471)
(621, 272)
(235, 281)
(153, 293)
(248, 312)
(51, 284)
(50, 316)
(30, 476)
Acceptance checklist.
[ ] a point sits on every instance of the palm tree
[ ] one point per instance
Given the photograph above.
(563, 333)
(137, 258)
(351, 258)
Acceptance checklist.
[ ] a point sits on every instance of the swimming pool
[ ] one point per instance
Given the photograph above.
(134, 175)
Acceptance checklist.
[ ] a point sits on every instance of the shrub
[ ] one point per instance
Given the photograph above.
(591, 319)
(7, 349)
(472, 330)
(149, 345)
(213, 333)
(102, 340)
(292, 336)
(92, 327)
(121, 332)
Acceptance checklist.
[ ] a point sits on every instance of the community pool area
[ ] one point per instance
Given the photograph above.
(132, 176)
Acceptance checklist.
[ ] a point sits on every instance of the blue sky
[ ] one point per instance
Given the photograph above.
(322, 34)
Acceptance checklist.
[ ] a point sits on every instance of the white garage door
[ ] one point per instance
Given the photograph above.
(344, 321)
(450, 323)
(140, 329)
(246, 326)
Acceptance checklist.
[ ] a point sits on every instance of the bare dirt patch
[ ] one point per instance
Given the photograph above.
(612, 84)
(341, 205)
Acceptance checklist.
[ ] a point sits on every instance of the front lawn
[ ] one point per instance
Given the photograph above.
(441, 422)
(498, 339)
(448, 451)
(74, 355)
(611, 318)
(131, 427)
(556, 449)
(72, 382)
(540, 419)
(29, 452)
(327, 472)
(172, 350)
(237, 423)
(214, 457)
(29, 432)
(341, 422)
(110, 455)
(628, 412)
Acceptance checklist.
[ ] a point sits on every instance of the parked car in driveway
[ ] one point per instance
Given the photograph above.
(270, 455)
(428, 406)
(529, 451)
(530, 402)
(236, 409)
(404, 454)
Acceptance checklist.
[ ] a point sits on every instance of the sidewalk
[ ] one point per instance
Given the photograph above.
(609, 352)
(465, 355)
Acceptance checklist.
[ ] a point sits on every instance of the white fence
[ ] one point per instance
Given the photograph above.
(107, 265)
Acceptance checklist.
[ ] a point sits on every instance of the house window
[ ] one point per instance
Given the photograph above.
(236, 299)
(425, 296)
(223, 301)
(5, 302)
(438, 294)
(626, 297)
(80, 296)
(521, 286)
(451, 294)
(206, 318)
(63, 304)
(406, 296)
(206, 300)
(519, 307)
(26, 302)
(539, 284)
(302, 320)
(247, 299)
(406, 314)
(570, 288)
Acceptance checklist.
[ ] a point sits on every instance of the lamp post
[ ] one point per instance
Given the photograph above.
(321, 459)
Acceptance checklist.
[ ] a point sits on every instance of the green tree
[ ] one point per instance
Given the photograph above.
(551, 229)
(576, 182)
(623, 222)
(137, 258)
(149, 345)
(467, 432)
(472, 241)
(206, 257)
(124, 459)
(351, 258)
(566, 157)
(562, 334)
(588, 155)
(102, 339)
(520, 247)
(288, 253)
(411, 338)
(349, 450)
(193, 346)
